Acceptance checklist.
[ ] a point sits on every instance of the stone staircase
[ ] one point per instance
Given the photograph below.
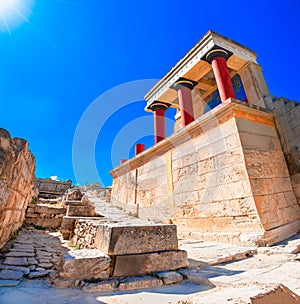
(116, 245)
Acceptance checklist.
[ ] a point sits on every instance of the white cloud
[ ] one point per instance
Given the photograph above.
(54, 177)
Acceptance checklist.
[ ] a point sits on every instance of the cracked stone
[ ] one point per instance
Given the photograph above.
(6, 274)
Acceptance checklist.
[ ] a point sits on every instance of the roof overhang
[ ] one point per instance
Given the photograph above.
(192, 66)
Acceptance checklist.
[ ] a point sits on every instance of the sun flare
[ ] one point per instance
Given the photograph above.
(13, 13)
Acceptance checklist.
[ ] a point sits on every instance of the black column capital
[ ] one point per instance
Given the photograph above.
(183, 82)
(159, 105)
(217, 52)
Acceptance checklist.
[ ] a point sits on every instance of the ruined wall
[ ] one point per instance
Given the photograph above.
(44, 216)
(49, 188)
(217, 183)
(17, 167)
(287, 114)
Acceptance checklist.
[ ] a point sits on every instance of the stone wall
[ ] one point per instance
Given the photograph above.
(214, 179)
(17, 166)
(288, 124)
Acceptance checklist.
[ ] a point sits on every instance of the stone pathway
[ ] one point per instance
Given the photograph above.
(32, 254)
(218, 273)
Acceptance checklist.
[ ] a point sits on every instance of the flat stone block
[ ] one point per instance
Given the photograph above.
(103, 286)
(16, 261)
(81, 211)
(38, 274)
(114, 239)
(8, 283)
(25, 270)
(85, 264)
(140, 283)
(6, 274)
(140, 264)
(20, 254)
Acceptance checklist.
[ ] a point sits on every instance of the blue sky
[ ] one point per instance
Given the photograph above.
(69, 52)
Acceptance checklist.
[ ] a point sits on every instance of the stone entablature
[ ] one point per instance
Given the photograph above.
(223, 177)
(191, 65)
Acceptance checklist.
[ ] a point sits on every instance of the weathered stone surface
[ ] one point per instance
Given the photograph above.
(140, 283)
(16, 261)
(17, 167)
(60, 283)
(85, 264)
(170, 277)
(20, 254)
(8, 283)
(38, 274)
(74, 194)
(116, 239)
(140, 264)
(81, 211)
(103, 286)
(198, 276)
(6, 274)
(49, 188)
(46, 265)
(25, 270)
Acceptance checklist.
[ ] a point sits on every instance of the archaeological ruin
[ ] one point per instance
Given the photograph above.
(224, 187)
(231, 171)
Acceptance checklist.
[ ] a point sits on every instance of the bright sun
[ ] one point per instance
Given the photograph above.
(13, 13)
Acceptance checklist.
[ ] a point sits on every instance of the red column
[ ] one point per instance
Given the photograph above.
(159, 125)
(139, 148)
(184, 89)
(159, 108)
(218, 58)
(186, 106)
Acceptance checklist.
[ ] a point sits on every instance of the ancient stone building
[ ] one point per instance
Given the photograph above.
(231, 171)
(17, 166)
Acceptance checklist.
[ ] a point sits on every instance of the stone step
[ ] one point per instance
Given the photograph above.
(81, 211)
(147, 263)
(120, 239)
(85, 264)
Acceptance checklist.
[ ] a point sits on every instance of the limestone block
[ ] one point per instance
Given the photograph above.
(85, 264)
(81, 211)
(74, 194)
(103, 286)
(140, 264)
(140, 283)
(114, 239)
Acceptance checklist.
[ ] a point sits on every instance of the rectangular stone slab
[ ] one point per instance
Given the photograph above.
(147, 263)
(114, 239)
